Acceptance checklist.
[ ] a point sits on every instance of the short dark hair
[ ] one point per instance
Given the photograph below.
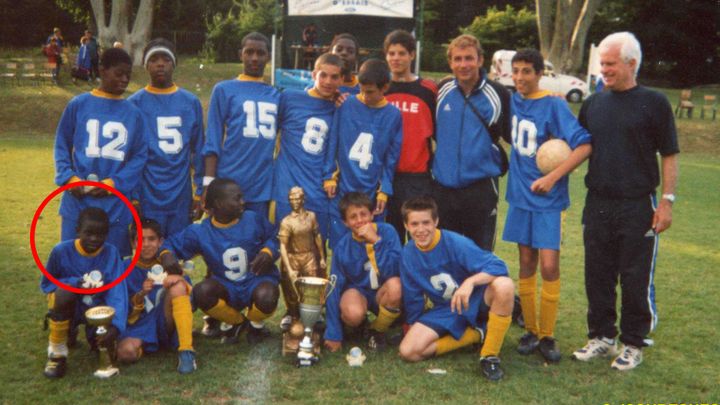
(356, 199)
(163, 43)
(215, 190)
(255, 36)
(93, 214)
(424, 203)
(146, 223)
(113, 57)
(532, 56)
(374, 71)
(329, 59)
(400, 37)
(345, 35)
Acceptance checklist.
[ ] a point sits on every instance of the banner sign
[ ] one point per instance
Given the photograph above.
(376, 8)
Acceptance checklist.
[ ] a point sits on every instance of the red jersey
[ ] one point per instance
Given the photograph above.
(416, 101)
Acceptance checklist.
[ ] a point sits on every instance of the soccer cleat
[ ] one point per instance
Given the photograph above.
(55, 367)
(597, 347)
(186, 362)
(286, 322)
(528, 344)
(630, 358)
(377, 341)
(490, 368)
(231, 333)
(211, 327)
(549, 349)
(256, 335)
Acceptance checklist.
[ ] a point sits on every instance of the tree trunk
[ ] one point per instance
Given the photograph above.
(563, 30)
(119, 27)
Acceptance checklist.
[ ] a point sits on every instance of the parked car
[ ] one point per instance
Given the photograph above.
(574, 89)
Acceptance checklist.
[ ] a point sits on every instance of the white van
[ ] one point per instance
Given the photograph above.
(574, 89)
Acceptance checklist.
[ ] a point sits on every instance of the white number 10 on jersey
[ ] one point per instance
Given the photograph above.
(524, 136)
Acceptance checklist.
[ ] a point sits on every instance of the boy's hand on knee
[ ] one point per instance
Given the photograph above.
(461, 299)
(171, 280)
(261, 264)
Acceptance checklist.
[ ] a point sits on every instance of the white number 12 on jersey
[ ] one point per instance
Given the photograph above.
(115, 131)
(361, 150)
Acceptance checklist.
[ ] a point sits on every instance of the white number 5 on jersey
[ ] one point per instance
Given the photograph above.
(445, 283)
(171, 141)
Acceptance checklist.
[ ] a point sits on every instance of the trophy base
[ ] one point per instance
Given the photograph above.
(306, 359)
(106, 372)
(291, 341)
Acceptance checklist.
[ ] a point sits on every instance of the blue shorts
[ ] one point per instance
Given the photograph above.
(240, 292)
(118, 235)
(152, 328)
(443, 321)
(170, 222)
(320, 208)
(539, 230)
(370, 296)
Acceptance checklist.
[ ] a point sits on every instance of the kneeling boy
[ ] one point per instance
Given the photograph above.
(86, 262)
(365, 265)
(468, 287)
(161, 312)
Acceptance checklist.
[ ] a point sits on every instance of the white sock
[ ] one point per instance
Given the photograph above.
(58, 350)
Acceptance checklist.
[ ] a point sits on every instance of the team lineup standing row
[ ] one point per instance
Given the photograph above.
(370, 155)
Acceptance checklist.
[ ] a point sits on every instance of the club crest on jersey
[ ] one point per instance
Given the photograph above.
(447, 107)
(92, 279)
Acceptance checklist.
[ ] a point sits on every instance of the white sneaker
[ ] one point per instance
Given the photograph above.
(630, 358)
(597, 347)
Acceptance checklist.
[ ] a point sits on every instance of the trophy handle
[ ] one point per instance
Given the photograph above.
(332, 281)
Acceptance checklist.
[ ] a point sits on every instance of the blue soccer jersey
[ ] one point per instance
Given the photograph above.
(305, 120)
(241, 133)
(71, 265)
(228, 249)
(104, 135)
(365, 146)
(175, 120)
(535, 120)
(352, 87)
(438, 271)
(363, 266)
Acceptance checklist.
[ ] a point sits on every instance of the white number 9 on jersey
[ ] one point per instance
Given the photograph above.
(445, 283)
(235, 260)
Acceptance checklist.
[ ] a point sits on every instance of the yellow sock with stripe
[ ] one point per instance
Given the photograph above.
(183, 317)
(385, 318)
(59, 331)
(497, 326)
(448, 343)
(549, 302)
(257, 316)
(225, 313)
(527, 290)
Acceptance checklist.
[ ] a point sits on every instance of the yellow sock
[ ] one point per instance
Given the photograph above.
(225, 313)
(497, 326)
(448, 343)
(549, 300)
(385, 318)
(256, 315)
(183, 317)
(527, 290)
(59, 331)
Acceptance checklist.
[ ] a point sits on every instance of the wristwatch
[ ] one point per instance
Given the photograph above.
(669, 197)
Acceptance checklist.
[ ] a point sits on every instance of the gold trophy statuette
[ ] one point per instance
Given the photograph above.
(312, 294)
(101, 317)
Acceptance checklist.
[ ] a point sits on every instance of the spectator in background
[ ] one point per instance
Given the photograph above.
(59, 41)
(93, 50)
(309, 35)
(52, 51)
(82, 64)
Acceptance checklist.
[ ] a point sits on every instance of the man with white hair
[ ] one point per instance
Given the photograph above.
(623, 217)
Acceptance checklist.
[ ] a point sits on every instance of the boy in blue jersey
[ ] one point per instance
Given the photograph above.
(468, 287)
(242, 127)
(346, 46)
(86, 262)
(175, 129)
(305, 119)
(365, 267)
(536, 201)
(239, 248)
(364, 146)
(160, 309)
(101, 136)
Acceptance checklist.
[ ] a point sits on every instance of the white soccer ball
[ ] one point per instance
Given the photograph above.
(552, 154)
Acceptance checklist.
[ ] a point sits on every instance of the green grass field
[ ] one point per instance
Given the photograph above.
(683, 366)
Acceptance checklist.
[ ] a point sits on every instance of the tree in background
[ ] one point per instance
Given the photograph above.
(118, 26)
(225, 29)
(504, 29)
(562, 27)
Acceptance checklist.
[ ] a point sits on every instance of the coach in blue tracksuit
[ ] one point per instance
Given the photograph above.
(472, 114)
